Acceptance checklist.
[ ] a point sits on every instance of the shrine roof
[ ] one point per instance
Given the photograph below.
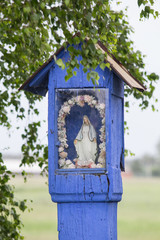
(41, 75)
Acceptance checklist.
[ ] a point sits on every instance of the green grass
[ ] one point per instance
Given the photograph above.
(41, 223)
(138, 212)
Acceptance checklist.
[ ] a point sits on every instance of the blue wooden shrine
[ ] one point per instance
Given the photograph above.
(87, 190)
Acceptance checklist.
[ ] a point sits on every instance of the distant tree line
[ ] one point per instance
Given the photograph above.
(148, 165)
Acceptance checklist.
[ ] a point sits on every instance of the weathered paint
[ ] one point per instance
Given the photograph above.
(87, 198)
(87, 221)
(39, 84)
(51, 130)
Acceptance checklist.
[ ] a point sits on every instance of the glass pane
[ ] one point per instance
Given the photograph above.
(81, 128)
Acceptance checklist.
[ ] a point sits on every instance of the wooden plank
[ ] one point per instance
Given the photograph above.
(80, 188)
(117, 86)
(51, 131)
(117, 128)
(73, 82)
(101, 81)
(87, 221)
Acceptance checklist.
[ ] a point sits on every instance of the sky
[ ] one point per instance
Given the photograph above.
(144, 126)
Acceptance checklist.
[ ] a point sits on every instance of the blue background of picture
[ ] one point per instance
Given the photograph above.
(74, 120)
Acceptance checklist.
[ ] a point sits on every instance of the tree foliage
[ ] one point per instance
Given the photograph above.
(30, 30)
(10, 223)
(147, 9)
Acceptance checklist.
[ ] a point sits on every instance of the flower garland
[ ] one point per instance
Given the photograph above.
(80, 100)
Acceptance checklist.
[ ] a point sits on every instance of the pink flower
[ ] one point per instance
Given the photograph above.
(61, 149)
(71, 166)
(99, 165)
(70, 102)
(61, 162)
(66, 109)
(87, 98)
(80, 103)
(65, 104)
(102, 113)
(63, 155)
(92, 165)
(103, 121)
(102, 106)
(78, 98)
(94, 102)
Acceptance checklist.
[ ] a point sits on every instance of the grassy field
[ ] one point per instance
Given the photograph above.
(138, 212)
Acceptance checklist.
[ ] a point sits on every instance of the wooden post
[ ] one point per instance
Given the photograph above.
(87, 221)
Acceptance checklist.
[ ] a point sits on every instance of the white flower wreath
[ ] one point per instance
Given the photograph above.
(80, 100)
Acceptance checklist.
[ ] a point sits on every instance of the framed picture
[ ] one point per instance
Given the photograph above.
(81, 128)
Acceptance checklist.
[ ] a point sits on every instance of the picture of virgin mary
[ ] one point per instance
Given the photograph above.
(86, 144)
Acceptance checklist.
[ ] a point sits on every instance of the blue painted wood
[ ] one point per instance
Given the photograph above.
(88, 187)
(64, 187)
(84, 170)
(39, 84)
(116, 130)
(87, 221)
(51, 131)
(122, 163)
(115, 189)
(80, 188)
(87, 198)
(60, 74)
(80, 80)
(116, 140)
(37, 80)
(108, 122)
(103, 77)
(117, 86)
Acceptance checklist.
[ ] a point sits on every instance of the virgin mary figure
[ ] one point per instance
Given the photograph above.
(86, 143)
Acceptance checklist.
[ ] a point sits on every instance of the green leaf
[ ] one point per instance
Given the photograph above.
(60, 63)
(42, 5)
(67, 77)
(147, 9)
(86, 51)
(104, 37)
(76, 40)
(108, 65)
(140, 2)
(85, 70)
(67, 2)
(45, 32)
(102, 66)
(27, 31)
(88, 76)
(37, 40)
(27, 9)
